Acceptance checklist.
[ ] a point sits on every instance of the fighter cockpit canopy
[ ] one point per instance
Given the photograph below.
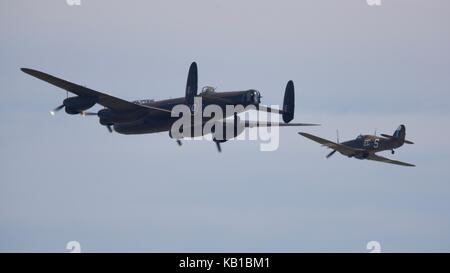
(360, 137)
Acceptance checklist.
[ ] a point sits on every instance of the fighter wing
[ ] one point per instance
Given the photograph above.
(103, 99)
(387, 160)
(330, 144)
(251, 124)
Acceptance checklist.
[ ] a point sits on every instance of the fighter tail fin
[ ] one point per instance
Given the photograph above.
(399, 134)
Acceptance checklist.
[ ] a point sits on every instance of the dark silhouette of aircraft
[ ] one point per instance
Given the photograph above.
(150, 116)
(365, 146)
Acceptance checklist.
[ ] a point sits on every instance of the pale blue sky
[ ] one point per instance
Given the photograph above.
(355, 68)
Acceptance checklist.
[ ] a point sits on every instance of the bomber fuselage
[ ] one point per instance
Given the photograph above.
(158, 121)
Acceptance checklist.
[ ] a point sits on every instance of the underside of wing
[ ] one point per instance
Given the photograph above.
(103, 99)
(330, 144)
(251, 124)
(387, 160)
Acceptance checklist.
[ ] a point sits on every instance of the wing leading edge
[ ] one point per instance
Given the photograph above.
(387, 160)
(251, 124)
(103, 99)
(345, 150)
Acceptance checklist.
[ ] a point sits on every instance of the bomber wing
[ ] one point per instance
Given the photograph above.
(103, 99)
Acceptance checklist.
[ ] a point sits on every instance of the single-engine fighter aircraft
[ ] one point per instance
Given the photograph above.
(150, 116)
(365, 146)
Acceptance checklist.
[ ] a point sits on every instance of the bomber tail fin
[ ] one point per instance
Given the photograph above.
(191, 85)
(289, 102)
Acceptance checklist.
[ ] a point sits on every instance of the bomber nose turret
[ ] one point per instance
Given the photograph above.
(253, 97)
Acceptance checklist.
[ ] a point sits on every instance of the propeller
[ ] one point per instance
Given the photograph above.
(330, 154)
(219, 148)
(54, 111)
(337, 141)
(85, 113)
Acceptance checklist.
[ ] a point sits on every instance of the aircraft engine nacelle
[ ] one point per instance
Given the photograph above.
(75, 105)
(105, 117)
(187, 132)
(229, 129)
(109, 117)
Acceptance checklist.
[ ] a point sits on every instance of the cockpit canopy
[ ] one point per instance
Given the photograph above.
(360, 136)
(208, 89)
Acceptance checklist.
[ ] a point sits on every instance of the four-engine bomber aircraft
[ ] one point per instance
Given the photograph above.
(365, 146)
(149, 116)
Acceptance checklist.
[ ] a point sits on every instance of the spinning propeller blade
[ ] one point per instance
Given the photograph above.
(219, 148)
(84, 113)
(53, 112)
(337, 141)
(330, 154)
